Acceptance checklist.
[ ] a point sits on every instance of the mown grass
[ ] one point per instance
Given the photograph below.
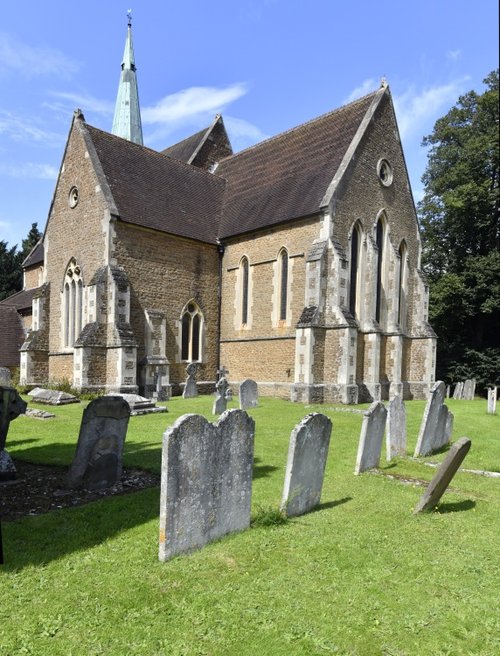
(359, 576)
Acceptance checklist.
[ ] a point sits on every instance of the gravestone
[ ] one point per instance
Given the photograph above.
(432, 434)
(248, 394)
(206, 480)
(457, 394)
(97, 463)
(11, 406)
(5, 377)
(140, 405)
(52, 397)
(492, 400)
(305, 468)
(370, 440)
(395, 438)
(443, 476)
(190, 388)
(220, 403)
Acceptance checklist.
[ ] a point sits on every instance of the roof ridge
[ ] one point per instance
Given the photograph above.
(300, 126)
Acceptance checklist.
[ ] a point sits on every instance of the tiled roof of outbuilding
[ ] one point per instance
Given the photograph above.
(287, 176)
(21, 300)
(11, 336)
(35, 256)
(155, 191)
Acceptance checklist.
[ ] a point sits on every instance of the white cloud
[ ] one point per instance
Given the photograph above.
(367, 86)
(19, 128)
(417, 109)
(30, 171)
(454, 55)
(243, 134)
(29, 61)
(83, 101)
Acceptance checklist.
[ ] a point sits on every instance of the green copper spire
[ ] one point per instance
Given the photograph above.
(127, 119)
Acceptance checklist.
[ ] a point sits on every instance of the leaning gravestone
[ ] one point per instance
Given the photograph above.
(370, 440)
(97, 463)
(305, 468)
(443, 476)
(190, 388)
(395, 437)
(11, 406)
(432, 429)
(248, 394)
(206, 480)
(220, 403)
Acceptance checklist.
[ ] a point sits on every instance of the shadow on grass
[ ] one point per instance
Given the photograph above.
(331, 504)
(262, 471)
(19, 442)
(41, 539)
(458, 506)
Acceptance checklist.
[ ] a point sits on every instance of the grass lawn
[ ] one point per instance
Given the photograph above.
(360, 576)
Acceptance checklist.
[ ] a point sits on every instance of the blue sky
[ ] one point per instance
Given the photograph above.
(266, 65)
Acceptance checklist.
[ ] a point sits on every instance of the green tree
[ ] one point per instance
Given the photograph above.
(460, 220)
(11, 273)
(31, 240)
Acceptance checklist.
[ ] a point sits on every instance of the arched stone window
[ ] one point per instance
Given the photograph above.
(244, 289)
(380, 237)
(72, 303)
(283, 289)
(354, 271)
(191, 333)
(403, 285)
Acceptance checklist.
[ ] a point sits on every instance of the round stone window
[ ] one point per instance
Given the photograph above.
(384, 171)
(73, 197)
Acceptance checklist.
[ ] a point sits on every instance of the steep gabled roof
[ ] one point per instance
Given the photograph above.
(288, 175)
(11, 336)
(155, 191)
(205, 148)
(35, 256)
(21, 300)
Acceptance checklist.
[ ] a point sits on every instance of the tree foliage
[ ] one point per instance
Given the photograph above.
(460, 222)
(11, 271)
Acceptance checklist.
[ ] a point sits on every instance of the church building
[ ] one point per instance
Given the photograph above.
(295, 262)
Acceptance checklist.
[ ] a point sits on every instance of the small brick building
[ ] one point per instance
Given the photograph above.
(295, 262)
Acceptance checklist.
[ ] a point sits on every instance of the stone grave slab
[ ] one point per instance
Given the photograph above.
(51, 397)
(443, 476)
(190, 388)
(370, 440)
(140, 405)
(220, 403)
(206, 480)
(97, 463)
(396, 429)
(305, 468)
(431, 435)
(492, 400)
(249, 394)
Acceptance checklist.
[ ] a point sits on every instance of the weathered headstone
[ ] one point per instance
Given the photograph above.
(305, 468)
(492, 400)
(190, 388)
(432, 429)
(140, 405)
(395, 437)
(97, 463)
(457, 393)
(445, 473)
(370, 440)
(206, 480)
(220, 403)
(5, 377)
(11, 406)
(248, 394)
(52, 397)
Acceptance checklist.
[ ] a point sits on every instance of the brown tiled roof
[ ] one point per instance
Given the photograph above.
(287, 176)
(11, 336)
(21, 300)
(35, 256)
(158, 192)
(205, 148)
(185, 149)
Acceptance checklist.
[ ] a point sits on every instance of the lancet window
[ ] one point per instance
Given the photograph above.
(72, 303)
(191, 333)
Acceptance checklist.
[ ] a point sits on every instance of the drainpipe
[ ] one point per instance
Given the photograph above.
(220, 251)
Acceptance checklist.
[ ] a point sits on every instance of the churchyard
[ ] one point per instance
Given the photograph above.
(361, 574)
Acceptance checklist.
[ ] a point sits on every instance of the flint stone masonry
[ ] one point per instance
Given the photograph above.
(11, 406)
(206, 480)
(396, 429)
(190, 388)
(434, 424)
(249, 394)
(305, 469)
(370, 440)
(97, 463)
(443, 476)
(51, 397)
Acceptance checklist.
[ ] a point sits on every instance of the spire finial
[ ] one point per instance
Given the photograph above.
(129, 17)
